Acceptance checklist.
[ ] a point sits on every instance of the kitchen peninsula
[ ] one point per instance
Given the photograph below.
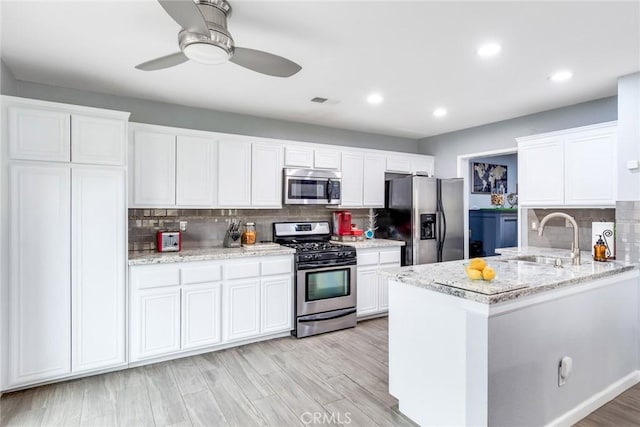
(538, 345)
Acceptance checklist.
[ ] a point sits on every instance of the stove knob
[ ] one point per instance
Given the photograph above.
(317, 256)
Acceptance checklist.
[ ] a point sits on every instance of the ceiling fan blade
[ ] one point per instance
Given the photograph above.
(187, 15)
(263, 62)
(163, 62)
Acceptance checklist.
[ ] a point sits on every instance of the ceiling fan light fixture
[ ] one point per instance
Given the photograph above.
(206, 53)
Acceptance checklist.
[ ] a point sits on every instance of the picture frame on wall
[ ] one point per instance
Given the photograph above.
(488, 177)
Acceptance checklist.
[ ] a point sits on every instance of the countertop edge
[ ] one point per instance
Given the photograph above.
(211, 254)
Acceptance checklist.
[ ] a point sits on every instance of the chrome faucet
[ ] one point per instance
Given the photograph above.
(575, 246)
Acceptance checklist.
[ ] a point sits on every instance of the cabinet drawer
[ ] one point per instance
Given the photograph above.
(242, 270)
(276, 266)
(388, 257)
(367, 258)
(210, 273)
(154, 276)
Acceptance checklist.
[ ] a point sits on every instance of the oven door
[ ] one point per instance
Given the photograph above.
(325, 288)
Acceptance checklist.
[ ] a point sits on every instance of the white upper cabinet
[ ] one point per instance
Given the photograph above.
(373, 185)
(39, 134)
(298, 156)
(590, 156)
(266, 175)
(196, 160)
(541, 172)
(53, 132)
(98, 141)
(566, 168)
(154, 169)
(234, 173)
(352, 179)
(399, 164)
(326, 159)
(420, 163)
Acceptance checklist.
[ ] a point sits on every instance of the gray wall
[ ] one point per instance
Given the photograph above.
(500, 135)
(159, 113)
(8, 84)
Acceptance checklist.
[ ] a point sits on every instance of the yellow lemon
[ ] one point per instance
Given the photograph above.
(477, 264)
(474, 274)
(488, 273)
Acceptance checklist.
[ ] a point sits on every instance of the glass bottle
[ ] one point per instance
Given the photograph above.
(599, 250)
(249, 234)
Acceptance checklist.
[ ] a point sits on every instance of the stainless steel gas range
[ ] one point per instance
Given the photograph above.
(325, 282)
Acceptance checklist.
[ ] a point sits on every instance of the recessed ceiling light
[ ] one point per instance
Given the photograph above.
(440, 112)
(375, 98)
(489, 50)
(561, 76)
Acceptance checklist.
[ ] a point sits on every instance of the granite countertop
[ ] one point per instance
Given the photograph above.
(208, 254)
(514, 278)
(374, 243)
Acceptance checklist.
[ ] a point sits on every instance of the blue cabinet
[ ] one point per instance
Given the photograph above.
(494, 228)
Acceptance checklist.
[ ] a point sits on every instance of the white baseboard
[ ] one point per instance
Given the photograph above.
(571, 417)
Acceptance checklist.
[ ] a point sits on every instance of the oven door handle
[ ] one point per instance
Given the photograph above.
(328, 316)
(337, 266)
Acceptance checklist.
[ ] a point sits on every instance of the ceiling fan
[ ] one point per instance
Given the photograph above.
(204, 38)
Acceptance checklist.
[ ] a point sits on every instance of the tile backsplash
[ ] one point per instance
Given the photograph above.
(557, 235)
(206, 227)
(628, 231)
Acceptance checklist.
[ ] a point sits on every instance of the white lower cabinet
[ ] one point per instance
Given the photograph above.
(201, 319)
(373, 289)
(195, 305)
(276, 304)
(155, 328)
(241, 309)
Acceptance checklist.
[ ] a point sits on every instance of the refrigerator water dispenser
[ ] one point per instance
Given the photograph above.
(427, 226)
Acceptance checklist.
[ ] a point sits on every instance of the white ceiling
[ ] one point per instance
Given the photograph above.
(418, 54)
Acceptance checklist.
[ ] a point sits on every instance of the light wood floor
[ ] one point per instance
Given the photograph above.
(339, 378)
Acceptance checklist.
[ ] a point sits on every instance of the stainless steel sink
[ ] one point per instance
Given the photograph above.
(540, 259)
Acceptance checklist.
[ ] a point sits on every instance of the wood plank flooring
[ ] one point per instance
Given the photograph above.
(333, 379)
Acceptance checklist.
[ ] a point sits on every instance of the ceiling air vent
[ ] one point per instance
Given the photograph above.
(319, 100)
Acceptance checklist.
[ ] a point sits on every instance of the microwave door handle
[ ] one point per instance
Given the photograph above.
(328, 190)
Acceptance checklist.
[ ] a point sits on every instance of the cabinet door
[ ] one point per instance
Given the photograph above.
(276, 306)
(201, 315)
(98, 246)
(367, 295)
(373, 185)
(422, 164)
(39, 134)
(541, 173)
(400, 164)
(352, 179)
(266, 175)
(241, 309)
(154, 322)
(508, 231)
(298, 157)
(98, 141)
(154, 169)
(234, 174)
(326, 159)
(383, 288)
(39, 273)
(195, 171)
(590, 159)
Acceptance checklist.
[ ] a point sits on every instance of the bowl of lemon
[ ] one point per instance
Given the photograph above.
(478, 269)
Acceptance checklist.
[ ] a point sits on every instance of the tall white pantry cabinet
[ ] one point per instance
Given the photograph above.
(64, 262)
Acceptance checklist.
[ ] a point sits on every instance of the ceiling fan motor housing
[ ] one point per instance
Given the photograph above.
(215, 13)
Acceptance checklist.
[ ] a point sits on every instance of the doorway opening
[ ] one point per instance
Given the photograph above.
(490, 220)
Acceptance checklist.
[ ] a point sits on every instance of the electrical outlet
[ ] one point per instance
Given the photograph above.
(567, 223)
(534, 225)
(183, 226)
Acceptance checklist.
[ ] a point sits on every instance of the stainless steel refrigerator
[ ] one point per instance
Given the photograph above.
(427, 214)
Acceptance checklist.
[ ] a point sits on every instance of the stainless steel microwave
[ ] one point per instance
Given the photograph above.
(312, 187)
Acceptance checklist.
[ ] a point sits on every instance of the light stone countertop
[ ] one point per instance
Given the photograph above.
(514, 278)
(374, 243)
(207, 254)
